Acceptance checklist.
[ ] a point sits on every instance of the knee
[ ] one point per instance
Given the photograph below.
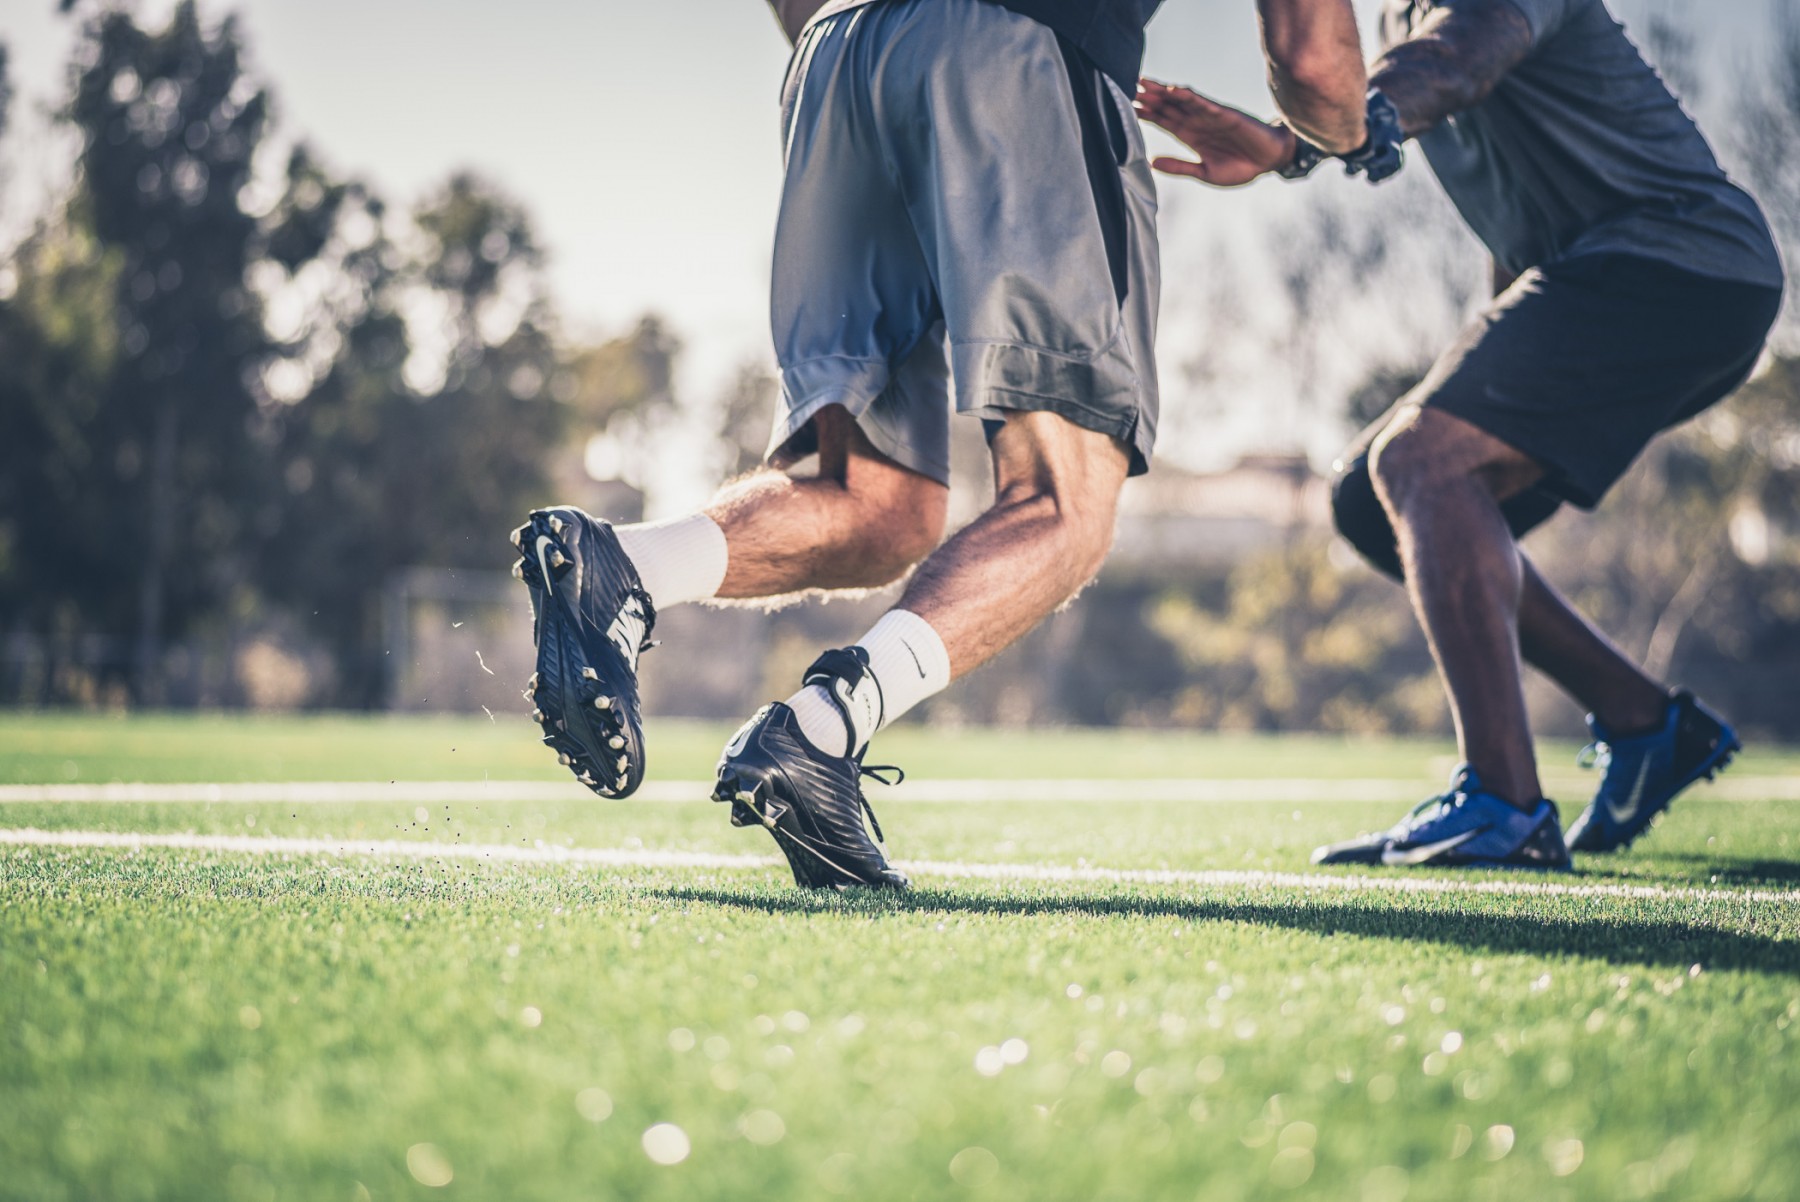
(1402, 463)
(1391, 465)
(1358, 515)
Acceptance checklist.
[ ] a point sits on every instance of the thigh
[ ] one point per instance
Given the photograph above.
(1423, 445)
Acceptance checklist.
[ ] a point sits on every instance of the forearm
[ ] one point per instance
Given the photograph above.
(1316, 69)
(1452, 62)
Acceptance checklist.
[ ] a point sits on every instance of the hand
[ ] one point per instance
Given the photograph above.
(1232, 147)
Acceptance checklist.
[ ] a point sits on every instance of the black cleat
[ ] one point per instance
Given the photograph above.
(592, 619)
(810, 801)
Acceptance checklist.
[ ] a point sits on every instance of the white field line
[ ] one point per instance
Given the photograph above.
(609, 857)
(1307, 790)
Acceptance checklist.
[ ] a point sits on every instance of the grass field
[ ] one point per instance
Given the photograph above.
(516, 991)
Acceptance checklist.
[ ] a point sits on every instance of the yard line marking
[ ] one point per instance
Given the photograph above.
(1218, 791)
(625, 857)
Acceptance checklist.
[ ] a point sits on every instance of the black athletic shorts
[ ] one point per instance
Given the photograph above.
(1581, 363)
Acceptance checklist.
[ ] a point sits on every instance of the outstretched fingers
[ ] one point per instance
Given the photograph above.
(1181, 111)
(1196, 169)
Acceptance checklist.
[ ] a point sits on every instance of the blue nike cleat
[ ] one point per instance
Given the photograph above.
(1465, 827)
(1642, 774)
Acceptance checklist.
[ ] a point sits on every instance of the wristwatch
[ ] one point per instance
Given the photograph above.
(1306, 158)
(1378, 158)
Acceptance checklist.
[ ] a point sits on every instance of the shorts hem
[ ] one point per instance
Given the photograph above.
(792, 422)
(1584, 491)
(994, 378)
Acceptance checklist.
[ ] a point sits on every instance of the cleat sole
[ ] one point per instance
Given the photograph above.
(595, 736)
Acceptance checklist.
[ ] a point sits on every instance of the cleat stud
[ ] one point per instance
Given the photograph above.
(537, 716)
(518, 538)
(623, 764)
(519, 570)
(589, 674)
(558, 559)
(616, 743)
(565, 759)
(603, 703)
(556, 524)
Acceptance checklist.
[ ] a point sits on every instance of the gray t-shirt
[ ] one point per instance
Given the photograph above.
(1582, 149)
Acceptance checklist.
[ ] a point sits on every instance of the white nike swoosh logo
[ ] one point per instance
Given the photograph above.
(627, 633)
(544, 560)
(1628, 811)
(1418, 855)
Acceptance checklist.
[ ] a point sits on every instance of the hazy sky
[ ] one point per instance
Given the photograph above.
(641, 136)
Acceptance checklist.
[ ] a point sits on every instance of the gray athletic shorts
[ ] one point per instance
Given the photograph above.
(966, 197)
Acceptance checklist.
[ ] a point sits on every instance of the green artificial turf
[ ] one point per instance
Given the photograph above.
(188, 1024)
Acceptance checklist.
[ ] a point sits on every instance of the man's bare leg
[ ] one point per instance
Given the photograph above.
(860, 523)
(1556, 639)
(1056, 491)
(1441, 481)
(794, 768)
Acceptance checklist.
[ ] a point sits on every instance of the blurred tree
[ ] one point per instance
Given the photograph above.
(1295, 641)
(624, 377)
(470, 455)
(58, 349)
(1768, 144)
(745, 416)
(1378, 392)
(154, 476)
(227, 397)
(622, 393)
(409, 444)
(1335, 283)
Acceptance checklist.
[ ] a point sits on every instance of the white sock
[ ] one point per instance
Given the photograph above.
(682, 559)
(907, 664)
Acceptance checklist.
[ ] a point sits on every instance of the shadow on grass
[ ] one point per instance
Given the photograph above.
(1625, 941)
(1701, 869)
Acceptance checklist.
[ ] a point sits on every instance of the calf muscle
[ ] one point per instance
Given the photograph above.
(1057, 489)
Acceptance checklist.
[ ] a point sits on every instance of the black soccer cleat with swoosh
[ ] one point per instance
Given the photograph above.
(810, 800)
(1641, 774)
(591, 621)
